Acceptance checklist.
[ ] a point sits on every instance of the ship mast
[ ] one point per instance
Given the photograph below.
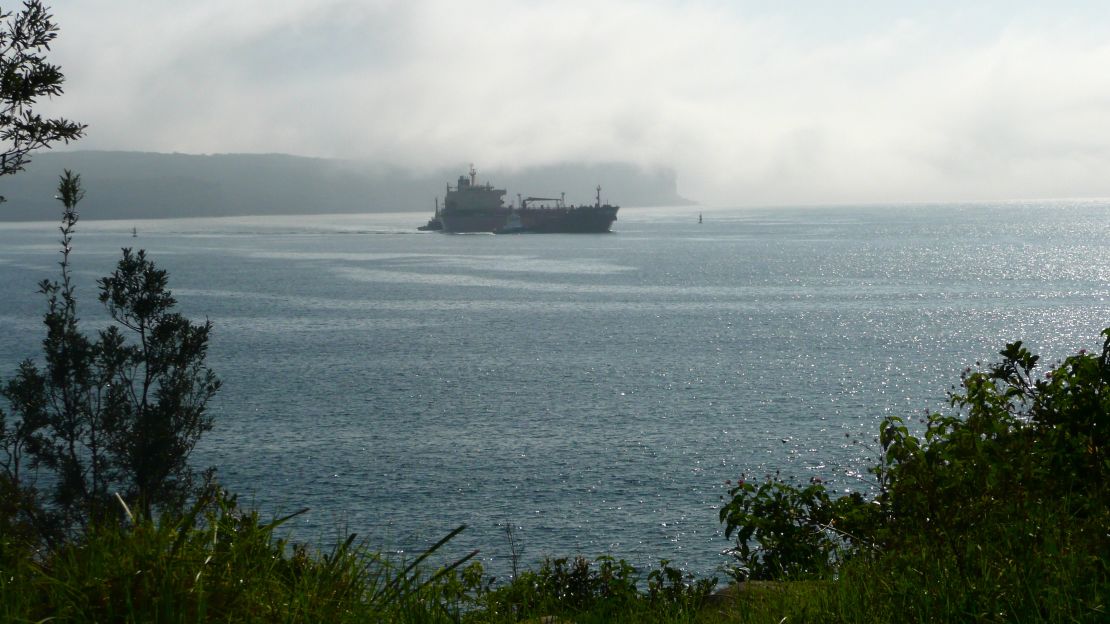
(598, 204)
(473, 174)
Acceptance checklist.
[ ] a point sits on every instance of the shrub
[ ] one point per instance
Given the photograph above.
(998, 511)
(605, 589)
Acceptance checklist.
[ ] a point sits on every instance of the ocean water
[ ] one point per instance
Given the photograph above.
(592, 391)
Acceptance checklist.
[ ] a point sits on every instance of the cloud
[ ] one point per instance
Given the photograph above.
(750, 104)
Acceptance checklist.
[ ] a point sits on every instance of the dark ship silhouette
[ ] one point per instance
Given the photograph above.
(473, 207)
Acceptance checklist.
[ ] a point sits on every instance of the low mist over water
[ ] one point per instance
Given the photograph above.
(594, 391)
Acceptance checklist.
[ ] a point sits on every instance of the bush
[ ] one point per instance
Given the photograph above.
(606, 589)
(782, 531)
(999, 511)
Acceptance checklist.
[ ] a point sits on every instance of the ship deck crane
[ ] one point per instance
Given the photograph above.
(560, 202)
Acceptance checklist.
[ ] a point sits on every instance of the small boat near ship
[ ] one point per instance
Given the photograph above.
(473, 207)
(513, 225)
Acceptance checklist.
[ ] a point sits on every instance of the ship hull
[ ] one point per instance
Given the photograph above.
(568, 220)
(474, 221)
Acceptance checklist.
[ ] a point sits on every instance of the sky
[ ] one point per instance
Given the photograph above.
(750, 103)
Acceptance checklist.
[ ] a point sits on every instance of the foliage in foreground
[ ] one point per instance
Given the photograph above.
(214, 563)
(606, 590)
(998, 512)
(120, 411)
(25, 77)
(218, 563)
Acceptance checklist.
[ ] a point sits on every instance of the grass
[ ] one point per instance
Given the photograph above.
(218, 563)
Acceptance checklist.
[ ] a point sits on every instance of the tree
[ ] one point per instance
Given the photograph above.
(25, 77)
(111, 414)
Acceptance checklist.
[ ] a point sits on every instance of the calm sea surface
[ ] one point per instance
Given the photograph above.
(593, 391)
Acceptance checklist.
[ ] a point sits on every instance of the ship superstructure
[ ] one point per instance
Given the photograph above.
(473, 207)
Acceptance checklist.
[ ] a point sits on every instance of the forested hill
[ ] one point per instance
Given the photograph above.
(141, 185)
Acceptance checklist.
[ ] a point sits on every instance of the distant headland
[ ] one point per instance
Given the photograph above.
(146, 185)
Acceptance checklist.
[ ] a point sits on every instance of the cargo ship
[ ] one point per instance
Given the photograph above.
(473, 207)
